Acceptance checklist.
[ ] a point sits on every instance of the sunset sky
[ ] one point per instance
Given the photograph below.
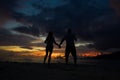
(24, 25)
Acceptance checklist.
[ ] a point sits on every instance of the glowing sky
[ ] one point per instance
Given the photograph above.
(24, 25)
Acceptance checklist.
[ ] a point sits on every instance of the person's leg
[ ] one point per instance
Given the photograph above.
(67, 52)
(45, 56)
(73, 52)
(49, 58)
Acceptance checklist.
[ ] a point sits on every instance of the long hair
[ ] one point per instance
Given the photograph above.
(50, 35)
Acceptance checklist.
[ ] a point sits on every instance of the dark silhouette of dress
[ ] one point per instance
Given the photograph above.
(70, 46)
(49, 47)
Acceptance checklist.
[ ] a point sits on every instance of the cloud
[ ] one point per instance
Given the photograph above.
(17, 56)
(5, 10)
(115, 4)
(28, 30)
(9, 39)
(105, 32)
(92, 20)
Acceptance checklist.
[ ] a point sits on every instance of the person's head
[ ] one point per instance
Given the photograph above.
(69, 31)
(50, 34)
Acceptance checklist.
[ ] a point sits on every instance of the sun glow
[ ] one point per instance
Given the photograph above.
(36, 54)
(90, 54)
(40, 51)
(15, 49)
(30, 51)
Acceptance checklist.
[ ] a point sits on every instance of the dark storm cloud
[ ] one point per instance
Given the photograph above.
(106, 33)
(91, 20)
(9, 39)
(7, 4)
(28, 30)
(6, 11)
(115, 4)
(75, 14)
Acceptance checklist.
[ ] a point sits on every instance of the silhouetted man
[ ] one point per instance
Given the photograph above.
(70, 46)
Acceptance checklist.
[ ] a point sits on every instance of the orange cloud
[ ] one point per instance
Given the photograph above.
(91, 54)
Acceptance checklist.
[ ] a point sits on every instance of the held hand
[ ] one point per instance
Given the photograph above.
(59, 46)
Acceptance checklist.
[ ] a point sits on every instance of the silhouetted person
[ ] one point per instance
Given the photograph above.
(70, 46)
(49, 47)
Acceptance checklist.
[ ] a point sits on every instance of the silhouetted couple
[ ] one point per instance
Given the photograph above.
(70, 46)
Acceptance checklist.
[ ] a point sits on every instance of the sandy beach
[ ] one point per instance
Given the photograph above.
(57, 71)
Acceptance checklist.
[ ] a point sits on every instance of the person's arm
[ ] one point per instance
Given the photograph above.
(62, 40)
(45, 41)
(55, 42)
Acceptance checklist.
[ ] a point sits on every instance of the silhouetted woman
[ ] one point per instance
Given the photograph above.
(50, 40)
